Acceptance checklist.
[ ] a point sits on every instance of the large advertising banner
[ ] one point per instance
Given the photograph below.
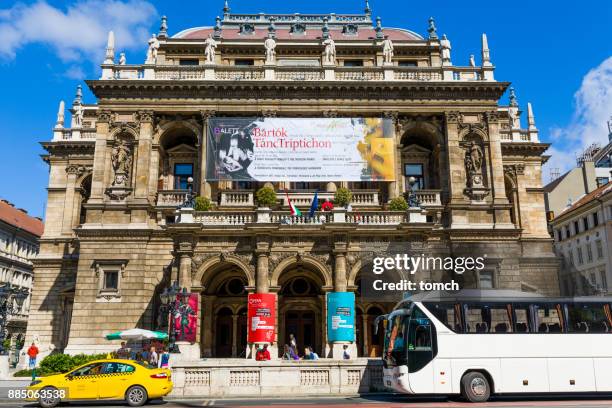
(341, 316)
(185, 319)
(262, 317)
(300, 149)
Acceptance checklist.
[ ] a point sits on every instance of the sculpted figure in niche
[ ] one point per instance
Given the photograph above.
(473, 164)
(122, 162)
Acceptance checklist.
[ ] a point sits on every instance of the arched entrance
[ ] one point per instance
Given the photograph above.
(224, 311)
(300, 309)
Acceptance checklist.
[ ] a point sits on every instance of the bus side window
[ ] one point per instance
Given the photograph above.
(489, 318)
(588, 318)
(548, 318)
(447, 313)
(522, 320)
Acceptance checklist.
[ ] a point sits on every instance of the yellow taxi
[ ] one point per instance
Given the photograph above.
(109, 379)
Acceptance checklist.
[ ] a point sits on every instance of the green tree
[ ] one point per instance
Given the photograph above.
(202, 204)
(398, 204)
(266, 197)
(343, 197)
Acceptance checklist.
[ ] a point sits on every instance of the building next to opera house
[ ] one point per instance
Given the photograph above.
(115, 236)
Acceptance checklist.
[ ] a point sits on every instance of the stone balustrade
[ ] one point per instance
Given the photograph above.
(223, 218)
(376, 217)
(234, 198)
(171, 198)
(429, 198)
(239, 377)
(283, 217)
(290, 73)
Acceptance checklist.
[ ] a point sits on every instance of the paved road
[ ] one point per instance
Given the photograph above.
(373, 401)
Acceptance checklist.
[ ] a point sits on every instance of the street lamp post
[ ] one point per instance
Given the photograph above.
(11, 302)
(189, 199)
(413, 201)
(172, 298)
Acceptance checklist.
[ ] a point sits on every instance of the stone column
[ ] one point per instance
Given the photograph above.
(366, 336)
(185, 271)
(340, 282)
(455, 158)
(207, 326)
(144, 154)
(496, 161)
(262, 282)
(234, 335)
(395, 187)
(205, 188)
(153, 172)
(99, 162)
(72, 173)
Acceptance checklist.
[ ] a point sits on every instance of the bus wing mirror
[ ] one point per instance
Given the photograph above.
(377, 321)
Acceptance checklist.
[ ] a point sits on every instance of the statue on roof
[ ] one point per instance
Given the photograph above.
(122, 59)
(472, 61)
(77, 115)
(211, 49)
(153, 47)
(270, 45)
(388, 50)
(445, 44)
(330, 52)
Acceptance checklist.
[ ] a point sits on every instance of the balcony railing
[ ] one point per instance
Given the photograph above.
(237, 199)
(295, 73)
(284, 217)
(429, 198)
(171, 198)
(224, 217)
(377, 217)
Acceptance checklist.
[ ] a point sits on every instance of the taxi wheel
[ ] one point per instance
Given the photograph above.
(49, 401)
(136, 396)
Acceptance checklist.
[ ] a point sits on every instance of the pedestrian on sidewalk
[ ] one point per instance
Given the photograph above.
(164, 358)
(123, 351)
(32, 354)
(262, 354)
(153, 357)
(346, 354)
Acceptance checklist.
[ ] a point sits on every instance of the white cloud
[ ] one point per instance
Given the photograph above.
(78, 32)
(588, 125)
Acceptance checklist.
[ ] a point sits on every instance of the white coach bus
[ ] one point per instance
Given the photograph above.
(477, 343)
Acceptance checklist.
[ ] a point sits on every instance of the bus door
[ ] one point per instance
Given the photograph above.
(421, 346)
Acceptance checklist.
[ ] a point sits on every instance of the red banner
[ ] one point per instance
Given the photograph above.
(262, 317)
(185, 318)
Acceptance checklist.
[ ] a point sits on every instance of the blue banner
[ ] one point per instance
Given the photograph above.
(341, 316)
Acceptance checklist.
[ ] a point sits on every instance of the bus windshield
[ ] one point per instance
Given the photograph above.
(395, 338)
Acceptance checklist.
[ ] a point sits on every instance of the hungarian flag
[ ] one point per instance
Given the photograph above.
(292, 207)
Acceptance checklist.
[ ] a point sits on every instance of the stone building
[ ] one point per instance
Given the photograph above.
(121, 168)
(582, 239)
(19, 246)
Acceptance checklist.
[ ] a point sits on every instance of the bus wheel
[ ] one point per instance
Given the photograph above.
(475, 387)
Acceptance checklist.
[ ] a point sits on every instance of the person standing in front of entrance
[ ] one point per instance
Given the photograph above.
(293, 344)
(32, 353)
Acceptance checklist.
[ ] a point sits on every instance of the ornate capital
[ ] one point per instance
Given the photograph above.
(269, 113)
(76, 169)
(453, 117)
(393, 115)
(145, 116)
(492, 116)
(514, 169)
(330, 114)
(207, 114)
(105, 116)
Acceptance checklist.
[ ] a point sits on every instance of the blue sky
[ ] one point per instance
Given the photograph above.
(557, 54)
